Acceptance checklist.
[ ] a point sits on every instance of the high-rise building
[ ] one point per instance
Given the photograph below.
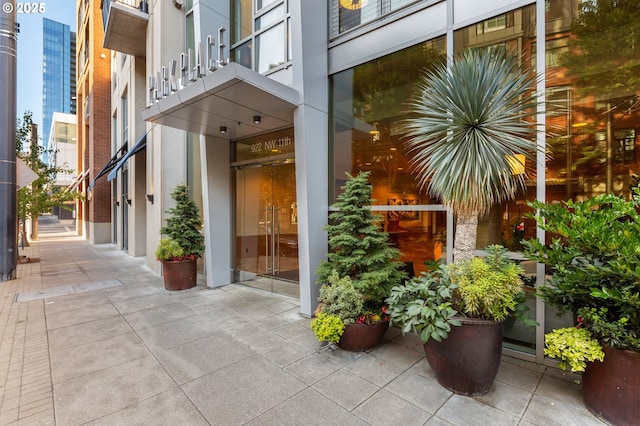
(58, 72)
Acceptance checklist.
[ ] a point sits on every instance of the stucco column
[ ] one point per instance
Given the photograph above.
(216, 201)
(309, 22)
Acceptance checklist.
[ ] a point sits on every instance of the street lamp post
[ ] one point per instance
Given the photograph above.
(8, 214)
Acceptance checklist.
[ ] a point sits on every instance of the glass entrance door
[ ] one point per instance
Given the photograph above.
(267, 227)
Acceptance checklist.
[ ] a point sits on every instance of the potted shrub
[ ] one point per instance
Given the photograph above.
(470, 137)
(342, 306)
(185, 244)
(475, 296)
(595, 260)
(360, 252)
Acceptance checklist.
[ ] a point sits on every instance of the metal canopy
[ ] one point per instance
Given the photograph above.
(229, 97)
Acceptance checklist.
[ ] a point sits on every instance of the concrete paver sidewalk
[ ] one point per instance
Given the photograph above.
(129, 352)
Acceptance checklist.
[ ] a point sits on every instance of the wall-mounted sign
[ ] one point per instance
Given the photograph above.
(193, 66)
(264, 146)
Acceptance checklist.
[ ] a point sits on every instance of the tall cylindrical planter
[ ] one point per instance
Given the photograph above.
(611, 388)
(179, 274)
(362, 337)
(467, 361)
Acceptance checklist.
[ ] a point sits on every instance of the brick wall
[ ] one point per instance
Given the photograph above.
(96, 139)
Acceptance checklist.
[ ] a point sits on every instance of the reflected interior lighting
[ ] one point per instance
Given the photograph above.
(400, 168)
(353, 4)
(516, 163)
(368, 163)
(374, 132)
(581, 124)
(275, 150)
(393, 148)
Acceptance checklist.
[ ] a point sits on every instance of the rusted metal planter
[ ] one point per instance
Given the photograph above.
(362, 337)
(179, 274)
(467, 362)
(611, 388)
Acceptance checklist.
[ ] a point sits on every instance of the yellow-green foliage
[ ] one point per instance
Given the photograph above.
(327, 327)
(573, 347)
(169, 249)
(487, 287)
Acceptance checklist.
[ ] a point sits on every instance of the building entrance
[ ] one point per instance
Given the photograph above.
(267, 227)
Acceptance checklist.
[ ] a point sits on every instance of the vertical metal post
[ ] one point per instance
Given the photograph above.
(8, 71)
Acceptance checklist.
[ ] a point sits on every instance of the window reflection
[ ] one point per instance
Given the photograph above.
(270, 50)
(596, 133)
(368, 105)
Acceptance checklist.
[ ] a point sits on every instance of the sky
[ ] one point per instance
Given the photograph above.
(30, 54)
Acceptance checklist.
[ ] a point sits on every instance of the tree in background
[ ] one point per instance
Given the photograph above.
(604, 62)
(41, 195)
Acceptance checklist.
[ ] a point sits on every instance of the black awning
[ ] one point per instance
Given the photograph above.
(110, 165)
(139, 146)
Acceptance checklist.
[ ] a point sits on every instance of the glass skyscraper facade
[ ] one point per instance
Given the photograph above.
(58, 72)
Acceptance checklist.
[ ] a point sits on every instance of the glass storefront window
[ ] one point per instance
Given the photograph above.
(270, 49)
(515, 31)
(507, 223)
(593, 87)
(599, 68)
(368, 103)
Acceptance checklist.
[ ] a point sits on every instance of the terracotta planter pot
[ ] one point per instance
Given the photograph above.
(467, 361)
(362, 337)
(179, 274)
(611, 388)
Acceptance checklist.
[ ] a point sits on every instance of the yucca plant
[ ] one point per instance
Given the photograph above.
(468, 133)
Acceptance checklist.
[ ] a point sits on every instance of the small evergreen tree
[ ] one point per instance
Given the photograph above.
(41, 195)
(359, 248)
(184, 223)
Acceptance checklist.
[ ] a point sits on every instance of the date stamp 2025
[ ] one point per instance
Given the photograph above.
(25, 7)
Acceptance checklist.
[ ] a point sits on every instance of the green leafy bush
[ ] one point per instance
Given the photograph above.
(327, 327)
(573, 347)
(595, 258)
(487, 287)
(423, 306)
(169, 249)
(340, 298)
